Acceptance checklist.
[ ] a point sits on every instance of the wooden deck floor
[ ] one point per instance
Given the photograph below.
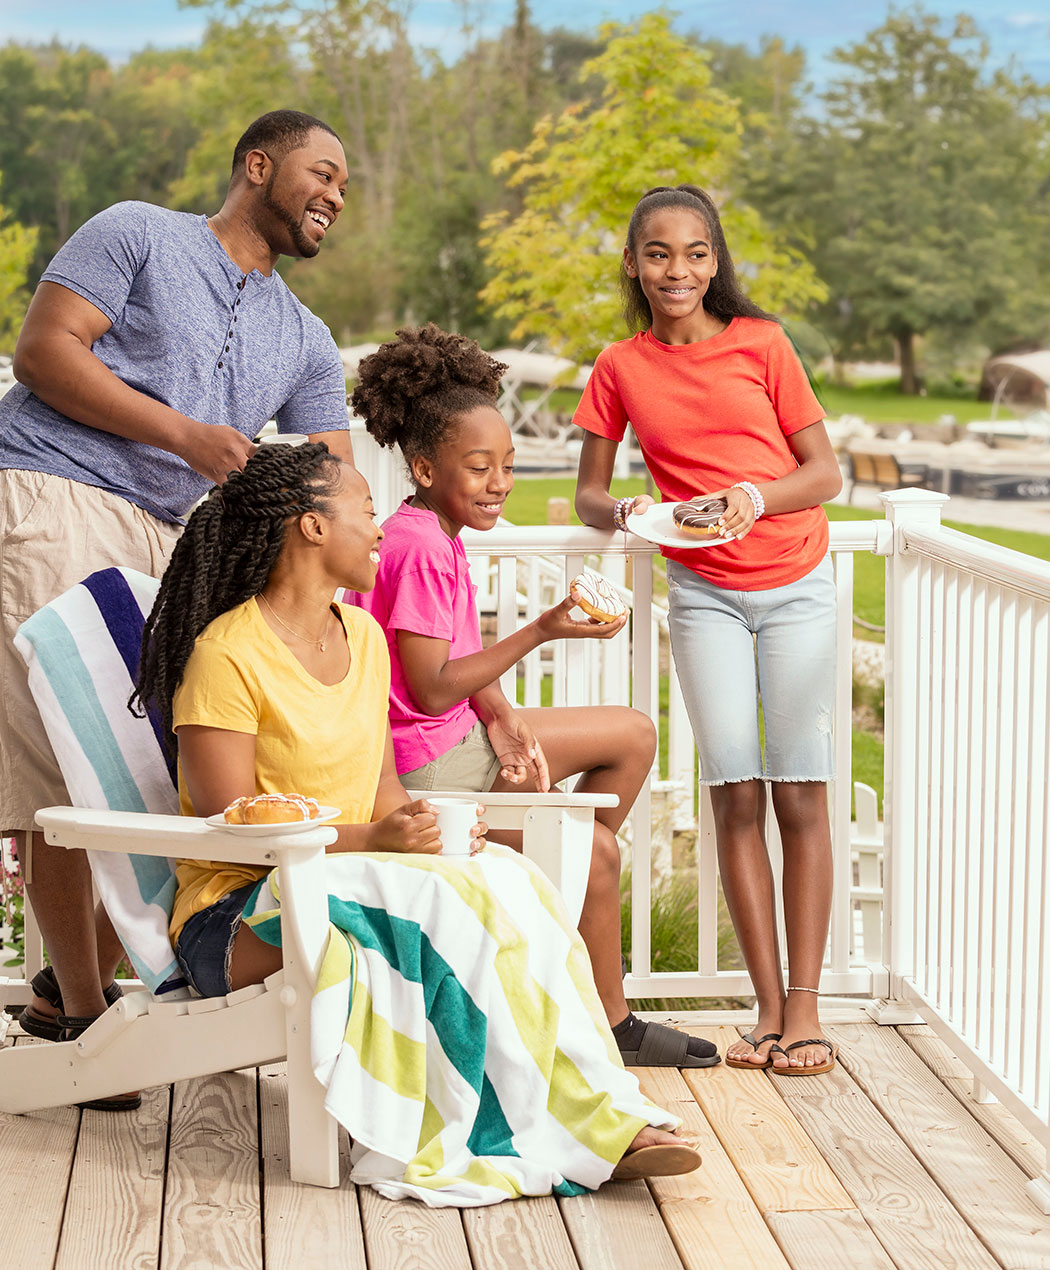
(884, 1162)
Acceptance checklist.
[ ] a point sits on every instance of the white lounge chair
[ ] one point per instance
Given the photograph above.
(82, 651)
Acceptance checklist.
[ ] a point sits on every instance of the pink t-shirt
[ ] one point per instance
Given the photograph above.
(423, 586)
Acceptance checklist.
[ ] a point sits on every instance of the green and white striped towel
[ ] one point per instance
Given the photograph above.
(472, 1061)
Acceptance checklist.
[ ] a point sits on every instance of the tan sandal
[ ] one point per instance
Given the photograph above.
(818, 1069)
(662, 1159)
(745, 1064)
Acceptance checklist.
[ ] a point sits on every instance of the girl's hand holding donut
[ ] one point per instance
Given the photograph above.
(557, 624)
(739, 519)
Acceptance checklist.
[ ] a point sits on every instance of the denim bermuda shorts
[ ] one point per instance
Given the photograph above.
(471, 764)
(205, 943)
(737, 650)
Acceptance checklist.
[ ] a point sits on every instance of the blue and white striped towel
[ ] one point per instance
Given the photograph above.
(82, 651)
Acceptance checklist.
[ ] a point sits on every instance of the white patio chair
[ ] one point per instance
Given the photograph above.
(866, 859)
(82, 652)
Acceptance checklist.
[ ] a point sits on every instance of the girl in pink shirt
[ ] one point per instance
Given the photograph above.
(722, 408)
(433, 395)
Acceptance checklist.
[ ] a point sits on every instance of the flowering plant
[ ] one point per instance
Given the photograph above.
(12, 897)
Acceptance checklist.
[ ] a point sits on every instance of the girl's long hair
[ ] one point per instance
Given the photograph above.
(224, 557)
(724, 298)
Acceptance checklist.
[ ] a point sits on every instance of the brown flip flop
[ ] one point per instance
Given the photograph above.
(663, 1159)
(818, 1069)
(744, 1064)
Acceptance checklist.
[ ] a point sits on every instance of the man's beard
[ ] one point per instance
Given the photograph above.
(304, 245)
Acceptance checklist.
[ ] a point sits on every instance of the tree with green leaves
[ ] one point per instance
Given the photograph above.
(921, 192)
(658, 120)
(17, 244)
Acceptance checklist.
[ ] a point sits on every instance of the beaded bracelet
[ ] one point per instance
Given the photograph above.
(753, 492)
(623, 506)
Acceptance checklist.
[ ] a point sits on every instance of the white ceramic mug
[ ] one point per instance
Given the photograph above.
(455, 817)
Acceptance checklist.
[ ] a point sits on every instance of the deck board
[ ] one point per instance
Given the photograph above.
(980, 1179)
(1004, 1127)
(778, 1163)
(710, 1207)
(893, 1165)
(619, 1228)
(303, 1225)
(409, 1236)
(819, 1238)
(36, 1160)
(910, 1215)
(113, 1206)
(212, 1206)
(529, 1232)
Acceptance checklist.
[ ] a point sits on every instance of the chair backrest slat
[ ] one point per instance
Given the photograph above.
(82, 651)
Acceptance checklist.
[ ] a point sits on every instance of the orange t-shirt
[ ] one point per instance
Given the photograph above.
(710, 414)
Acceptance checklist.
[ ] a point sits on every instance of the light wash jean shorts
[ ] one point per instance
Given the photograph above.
(735, 650)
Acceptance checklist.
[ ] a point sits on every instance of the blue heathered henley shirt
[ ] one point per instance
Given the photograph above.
(189, 329)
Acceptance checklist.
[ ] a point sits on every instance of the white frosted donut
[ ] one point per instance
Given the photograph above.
(272, 809)
(597, 597)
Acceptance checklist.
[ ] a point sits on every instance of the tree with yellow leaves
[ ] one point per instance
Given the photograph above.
(658, 120)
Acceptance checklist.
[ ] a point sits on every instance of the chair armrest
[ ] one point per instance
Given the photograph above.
(142, 833)
(509, 811)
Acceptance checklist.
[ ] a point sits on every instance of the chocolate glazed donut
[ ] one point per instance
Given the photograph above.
(699, 517)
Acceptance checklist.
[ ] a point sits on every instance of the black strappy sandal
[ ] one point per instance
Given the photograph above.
(45, 986)
(70, 1027)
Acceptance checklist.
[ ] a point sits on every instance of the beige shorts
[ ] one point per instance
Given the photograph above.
(53, 533)
(470, 765)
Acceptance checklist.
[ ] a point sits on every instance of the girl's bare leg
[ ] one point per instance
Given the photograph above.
(802, 814)
(747, 882)
(613, 748)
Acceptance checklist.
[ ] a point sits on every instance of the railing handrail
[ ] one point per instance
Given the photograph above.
(987, 560)
(873, 535)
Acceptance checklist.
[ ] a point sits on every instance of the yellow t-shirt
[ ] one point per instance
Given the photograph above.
(324, 741)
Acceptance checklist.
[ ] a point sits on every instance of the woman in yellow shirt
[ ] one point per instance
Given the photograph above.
(271, 686)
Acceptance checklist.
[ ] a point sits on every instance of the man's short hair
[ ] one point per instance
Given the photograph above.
(276, 133)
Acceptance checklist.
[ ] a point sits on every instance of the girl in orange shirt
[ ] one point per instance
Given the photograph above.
(721, 407)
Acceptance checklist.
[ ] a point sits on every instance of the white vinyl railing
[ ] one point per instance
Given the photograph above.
(527, 569)
(967, 918)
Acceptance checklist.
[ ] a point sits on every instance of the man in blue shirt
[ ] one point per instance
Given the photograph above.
(156, 347)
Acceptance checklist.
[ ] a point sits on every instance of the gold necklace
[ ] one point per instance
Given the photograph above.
(321, 643)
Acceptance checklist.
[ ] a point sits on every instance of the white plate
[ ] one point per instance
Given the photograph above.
(656, 524)
(291, 826)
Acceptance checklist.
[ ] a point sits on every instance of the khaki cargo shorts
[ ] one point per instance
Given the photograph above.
(470, 765)
(53, 533)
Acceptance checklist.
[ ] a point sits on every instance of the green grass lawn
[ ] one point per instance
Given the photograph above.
(877, 402)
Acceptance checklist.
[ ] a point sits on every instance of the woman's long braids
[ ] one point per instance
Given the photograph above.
(224, 557)
(412, 390)
(723, 299)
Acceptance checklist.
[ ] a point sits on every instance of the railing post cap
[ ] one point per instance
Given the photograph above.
(913, 505)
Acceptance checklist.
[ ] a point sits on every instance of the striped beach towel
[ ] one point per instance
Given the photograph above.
(458, 1032)
(82, 652)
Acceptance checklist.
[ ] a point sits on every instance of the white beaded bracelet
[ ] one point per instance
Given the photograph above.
(755, 494)
(623, 506)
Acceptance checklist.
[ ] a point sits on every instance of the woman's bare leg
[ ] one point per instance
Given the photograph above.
(747, 882)
(613, 748)
(805, 832)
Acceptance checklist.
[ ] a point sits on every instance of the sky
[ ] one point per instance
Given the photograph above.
(117, 28)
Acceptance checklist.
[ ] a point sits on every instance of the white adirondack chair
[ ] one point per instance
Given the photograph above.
(81, 651)
(866, 857)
